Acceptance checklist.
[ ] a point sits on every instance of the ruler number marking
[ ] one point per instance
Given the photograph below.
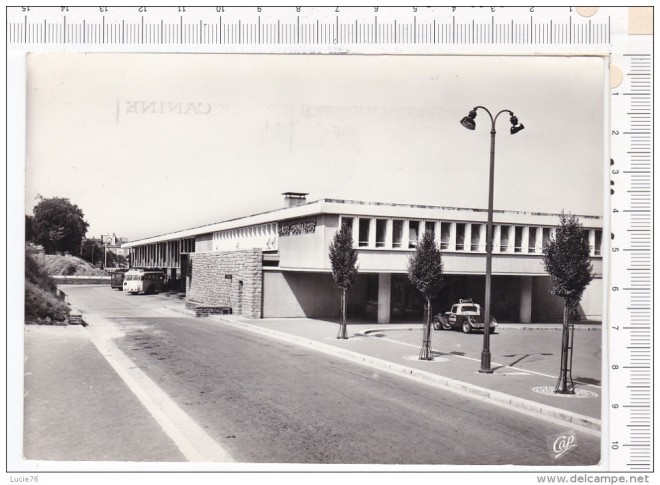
(492, 32)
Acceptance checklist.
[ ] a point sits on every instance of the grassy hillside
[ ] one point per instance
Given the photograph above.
(67, 266)
(41, 302)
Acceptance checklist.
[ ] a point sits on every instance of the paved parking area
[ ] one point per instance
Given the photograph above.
(534, 351)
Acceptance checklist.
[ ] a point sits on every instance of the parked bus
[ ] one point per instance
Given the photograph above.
(143, 281)
(117, 279)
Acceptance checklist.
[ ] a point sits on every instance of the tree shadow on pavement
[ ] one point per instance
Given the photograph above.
(522, 357)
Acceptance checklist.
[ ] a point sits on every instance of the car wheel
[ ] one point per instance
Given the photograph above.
(491, 330)
(467, 328)
(436, 324)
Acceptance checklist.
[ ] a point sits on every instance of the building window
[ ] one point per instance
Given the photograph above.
(504, 238)
(413, 234)
(363, 236)
(460, 236)
(546, 236)
(429, 227)
(518, 239)
(475, 237)
(531, 240)
(585, 235)
(445, 227)
(397, 234)
(598, 240)
(381, 231)
(347, 222)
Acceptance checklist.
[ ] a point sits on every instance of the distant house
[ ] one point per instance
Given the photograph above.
(112, 243)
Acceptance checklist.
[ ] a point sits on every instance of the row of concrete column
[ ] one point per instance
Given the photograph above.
(166, 254)
(504, 235)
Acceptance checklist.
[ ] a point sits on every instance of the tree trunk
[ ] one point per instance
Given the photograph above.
(342, 323)
(425, 353)
(563, 386)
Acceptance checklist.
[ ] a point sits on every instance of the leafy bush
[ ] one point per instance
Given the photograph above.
(35, 274)
(41, 302)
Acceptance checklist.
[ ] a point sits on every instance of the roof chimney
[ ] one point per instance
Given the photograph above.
(292, 199)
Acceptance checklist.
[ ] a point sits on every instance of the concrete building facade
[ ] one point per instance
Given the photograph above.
(281, 260)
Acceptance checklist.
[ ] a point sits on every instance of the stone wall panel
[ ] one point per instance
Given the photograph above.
(217, 276)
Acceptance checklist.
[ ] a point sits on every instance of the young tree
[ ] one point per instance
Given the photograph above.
(59, 225)
(111, 259)
(425, 273)
(122, 261)
(343, 258)
(566, 259)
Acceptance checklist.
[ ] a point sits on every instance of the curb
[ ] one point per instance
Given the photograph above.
(375, 330)
(519, 326)
(499, 327)
(584, 423)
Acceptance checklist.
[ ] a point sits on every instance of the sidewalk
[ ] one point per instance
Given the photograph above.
(382, 347)
(76, 407)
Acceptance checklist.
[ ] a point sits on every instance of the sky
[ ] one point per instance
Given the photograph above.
(146, 144)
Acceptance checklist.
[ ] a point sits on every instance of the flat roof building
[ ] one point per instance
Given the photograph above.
(276, 264)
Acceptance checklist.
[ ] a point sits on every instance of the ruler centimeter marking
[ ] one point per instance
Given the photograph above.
(631, 362)
(628, 440)
(246, 26)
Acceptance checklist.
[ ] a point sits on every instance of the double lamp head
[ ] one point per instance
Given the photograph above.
(470, 124)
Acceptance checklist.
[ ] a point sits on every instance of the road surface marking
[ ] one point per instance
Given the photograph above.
(494, 364)
(193, 442)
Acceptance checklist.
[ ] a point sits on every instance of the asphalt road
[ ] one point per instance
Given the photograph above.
(270, 402)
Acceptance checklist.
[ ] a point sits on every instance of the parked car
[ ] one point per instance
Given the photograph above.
(117, 279)
(465, 315)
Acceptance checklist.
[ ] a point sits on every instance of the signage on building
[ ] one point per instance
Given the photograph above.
(307, 226)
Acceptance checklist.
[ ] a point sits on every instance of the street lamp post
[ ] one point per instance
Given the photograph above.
(105, 250)
(469, 123)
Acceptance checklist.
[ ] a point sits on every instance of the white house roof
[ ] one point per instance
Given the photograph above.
(370, 209)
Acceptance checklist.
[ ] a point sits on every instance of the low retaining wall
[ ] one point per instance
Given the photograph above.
(75, 318)
(206, 310)
(81, 280)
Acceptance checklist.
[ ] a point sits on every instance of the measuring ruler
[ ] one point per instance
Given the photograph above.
(631, 279)
(198, 28)
(622, 33)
